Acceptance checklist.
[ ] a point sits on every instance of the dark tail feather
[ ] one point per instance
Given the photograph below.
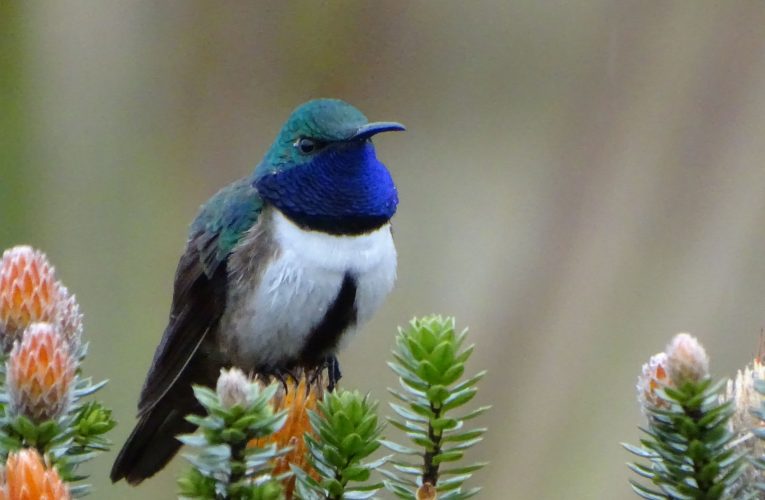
(152, 444)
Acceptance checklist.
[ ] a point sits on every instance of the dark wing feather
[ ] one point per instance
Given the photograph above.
(199, 295)
(167, 397)
(185, 355)
(198, 303)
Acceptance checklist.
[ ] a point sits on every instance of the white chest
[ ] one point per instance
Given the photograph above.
(269, 320)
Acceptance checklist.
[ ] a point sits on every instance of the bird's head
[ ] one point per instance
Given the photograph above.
(322, 169)
(317, 129)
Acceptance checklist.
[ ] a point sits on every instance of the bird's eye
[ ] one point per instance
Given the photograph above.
(308, 146)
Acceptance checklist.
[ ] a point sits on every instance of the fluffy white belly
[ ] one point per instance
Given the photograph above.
(274, 316)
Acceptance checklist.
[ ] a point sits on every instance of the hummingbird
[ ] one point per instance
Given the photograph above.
(280, 269)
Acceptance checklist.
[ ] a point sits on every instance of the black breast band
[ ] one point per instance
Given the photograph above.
(341, 315)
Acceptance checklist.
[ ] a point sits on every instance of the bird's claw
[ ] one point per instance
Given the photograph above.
(333, 372)
(283, 375)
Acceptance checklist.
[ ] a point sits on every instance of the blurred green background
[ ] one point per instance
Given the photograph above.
(580, 181)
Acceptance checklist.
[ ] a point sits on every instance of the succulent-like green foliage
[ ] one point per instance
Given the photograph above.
(331, 461)
(688, 445)
(224, 466)
(347, 432)
(430, 361)
(74, 438)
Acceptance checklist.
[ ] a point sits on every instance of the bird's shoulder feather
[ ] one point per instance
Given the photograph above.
(223, 220)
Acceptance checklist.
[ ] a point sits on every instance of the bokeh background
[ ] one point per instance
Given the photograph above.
(580, 181)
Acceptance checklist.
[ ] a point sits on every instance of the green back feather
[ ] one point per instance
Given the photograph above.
(223, 220)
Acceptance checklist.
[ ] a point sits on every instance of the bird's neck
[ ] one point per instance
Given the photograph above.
(341, 191)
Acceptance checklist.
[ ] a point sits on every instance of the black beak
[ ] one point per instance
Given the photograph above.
(370, 129)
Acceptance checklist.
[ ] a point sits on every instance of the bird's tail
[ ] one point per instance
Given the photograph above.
(153, 443)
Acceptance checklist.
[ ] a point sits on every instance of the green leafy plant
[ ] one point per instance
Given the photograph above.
(346, 432)
(429, 360)
(226, 465)
(246, 450)
(688, 448)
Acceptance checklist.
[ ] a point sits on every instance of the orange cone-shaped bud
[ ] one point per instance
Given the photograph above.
(25, 477)
(40, 374)
(28, 291)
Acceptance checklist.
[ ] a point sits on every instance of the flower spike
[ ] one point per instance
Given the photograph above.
(41, 371)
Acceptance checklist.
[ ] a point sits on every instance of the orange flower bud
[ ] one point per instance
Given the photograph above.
(28, 291)
(40, 374)
(26, 477)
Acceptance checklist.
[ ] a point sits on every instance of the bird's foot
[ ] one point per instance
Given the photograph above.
(283, 375)
(333, 372)
(292, 374)
(332, 366)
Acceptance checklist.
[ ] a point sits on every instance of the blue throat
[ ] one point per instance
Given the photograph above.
(344, 190)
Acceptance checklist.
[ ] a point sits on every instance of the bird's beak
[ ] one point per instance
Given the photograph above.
(370, 129)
